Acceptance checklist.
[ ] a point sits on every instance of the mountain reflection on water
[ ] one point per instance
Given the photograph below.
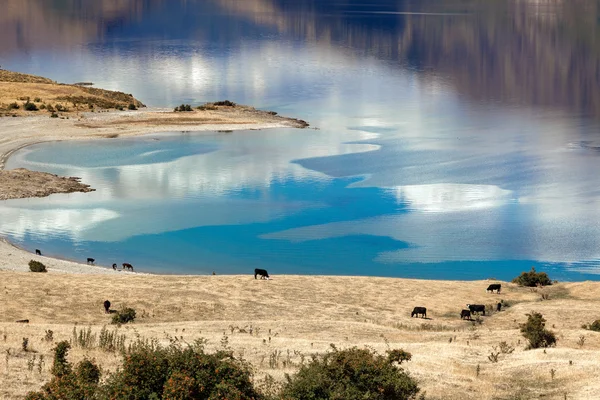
(530, 52)
(458, 139)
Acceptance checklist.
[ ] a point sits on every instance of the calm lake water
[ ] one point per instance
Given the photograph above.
(455, 140)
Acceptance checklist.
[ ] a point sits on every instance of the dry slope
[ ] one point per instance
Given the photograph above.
(277, 324)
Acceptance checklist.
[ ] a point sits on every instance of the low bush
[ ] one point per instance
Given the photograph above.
(226, 103)
(183, 107)
(352, 374)
(37, 100)
(36, 266)
(54, 115)
(131, 106)
(532, 279)
(123, 316)
(66, 384)
(536, 333)
(594, 326)
(153, 372)
(13, 106)
(30, 107)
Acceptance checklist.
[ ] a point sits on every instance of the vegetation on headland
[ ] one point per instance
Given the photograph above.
(23, 93)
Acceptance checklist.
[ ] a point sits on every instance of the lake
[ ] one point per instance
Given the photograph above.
(448, 140)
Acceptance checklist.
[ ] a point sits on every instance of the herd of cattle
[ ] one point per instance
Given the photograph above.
(126, 266)
(465, 313)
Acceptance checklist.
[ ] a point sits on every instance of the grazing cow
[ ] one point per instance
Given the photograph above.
(419, 310)
(106, 306)
(38, 252)
(91, 261)
(128, 266)
(115, 267)
(476, 308)
(494, 286)
(465, 314)
(262, 273)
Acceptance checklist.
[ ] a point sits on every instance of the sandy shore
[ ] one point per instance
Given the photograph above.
(13, 258)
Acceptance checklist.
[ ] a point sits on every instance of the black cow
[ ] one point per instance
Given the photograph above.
(476, 308)
(114, 266)
(106, 306)
(91, 261)
(419, 310)
(499, 307)
(465, 314)
(494, 286)
(128, 266)
(38, 252)
(262, 273)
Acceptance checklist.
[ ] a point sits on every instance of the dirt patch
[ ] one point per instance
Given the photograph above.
(22, 183)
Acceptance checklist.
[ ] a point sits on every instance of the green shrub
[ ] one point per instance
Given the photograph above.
(532, 279)
(43, 107)
(30, 107)
(37, 100)
(66, 384)
(183, 107)
(226, 103)
(54, 115)
(536, 333)
(60, 107)
(351, 374)
(87, 372)
(50, 108)
(123, 316)
(131, 106)
(36, 266)
(594, 326)
(178, 372)
(13, 106)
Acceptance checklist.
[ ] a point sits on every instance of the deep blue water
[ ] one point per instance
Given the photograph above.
(446, 146)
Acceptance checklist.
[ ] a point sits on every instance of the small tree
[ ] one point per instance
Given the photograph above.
(535, 331)
(36, 266)
(352, 374)
(532, 279)
(123, 316)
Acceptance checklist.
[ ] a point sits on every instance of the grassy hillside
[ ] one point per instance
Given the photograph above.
(17, 90)
(278, 324)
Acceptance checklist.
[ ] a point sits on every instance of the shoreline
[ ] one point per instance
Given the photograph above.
(20, 132)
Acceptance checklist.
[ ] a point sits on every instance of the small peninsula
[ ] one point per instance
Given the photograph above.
(34, 109)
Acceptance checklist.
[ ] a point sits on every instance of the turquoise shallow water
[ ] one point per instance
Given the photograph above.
(457, 167)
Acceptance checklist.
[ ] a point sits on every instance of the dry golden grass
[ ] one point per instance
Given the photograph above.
(18, 88)
(275, 324)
